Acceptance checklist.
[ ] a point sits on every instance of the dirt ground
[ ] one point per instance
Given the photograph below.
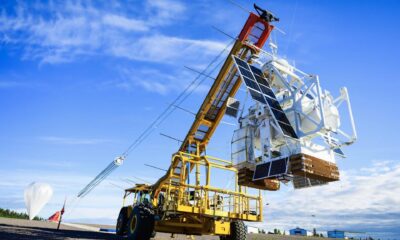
(16, 229)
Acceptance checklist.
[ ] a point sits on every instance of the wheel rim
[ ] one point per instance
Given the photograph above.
(133, 224)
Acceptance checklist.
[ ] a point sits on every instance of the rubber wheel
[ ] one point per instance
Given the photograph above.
(238, 232)
(141, 224)
(122, 222)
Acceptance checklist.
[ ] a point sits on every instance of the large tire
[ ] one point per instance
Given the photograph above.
(238, 232)
(122, 222)
(141, 224)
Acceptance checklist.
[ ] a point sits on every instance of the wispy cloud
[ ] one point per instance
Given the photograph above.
(125, 23)
(152, 80)
(73, 141)
(360, 201)
(63, 31)
(165, 49)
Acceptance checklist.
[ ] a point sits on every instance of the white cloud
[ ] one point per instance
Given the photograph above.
(125, 23)
(166, 49)
(163, 12)
(156, 81)
(360, 201)
(65, 31)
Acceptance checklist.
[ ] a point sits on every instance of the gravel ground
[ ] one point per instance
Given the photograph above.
(17, 229)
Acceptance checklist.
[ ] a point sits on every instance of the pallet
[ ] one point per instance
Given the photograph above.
(314, 168)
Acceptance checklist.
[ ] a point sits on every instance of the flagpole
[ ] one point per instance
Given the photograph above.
(62, 212)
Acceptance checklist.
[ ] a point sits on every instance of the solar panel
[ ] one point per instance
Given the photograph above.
(262, 171)
(256, 71)
(278, 167)
(287, 129)
(251, 84)
(261, 91)
(273, 103)
(257, 96)
(242, 63)
(273, 169)
(246, 73)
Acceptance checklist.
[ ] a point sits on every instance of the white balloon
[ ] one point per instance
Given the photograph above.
(37, 195)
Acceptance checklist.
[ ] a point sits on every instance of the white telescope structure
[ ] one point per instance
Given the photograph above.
(296, 129)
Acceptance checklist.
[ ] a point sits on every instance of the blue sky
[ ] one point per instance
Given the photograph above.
(79, 80)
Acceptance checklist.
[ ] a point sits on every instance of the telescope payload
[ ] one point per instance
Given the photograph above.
(294, 131)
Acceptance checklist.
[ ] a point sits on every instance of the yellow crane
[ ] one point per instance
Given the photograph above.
(174, 205)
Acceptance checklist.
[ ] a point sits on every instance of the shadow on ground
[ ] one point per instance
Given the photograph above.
(11, 232)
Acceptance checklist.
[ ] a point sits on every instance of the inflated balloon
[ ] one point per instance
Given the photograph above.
(37, 195)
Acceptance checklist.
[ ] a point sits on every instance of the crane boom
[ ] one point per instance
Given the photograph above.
(256, 30)
(251, 39)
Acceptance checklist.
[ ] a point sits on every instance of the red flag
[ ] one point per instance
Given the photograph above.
(55, 217)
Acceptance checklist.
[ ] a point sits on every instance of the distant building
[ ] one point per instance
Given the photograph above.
(299, 232)
(251, 229)
(336, 234)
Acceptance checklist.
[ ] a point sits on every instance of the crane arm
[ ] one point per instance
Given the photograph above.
(256, 30)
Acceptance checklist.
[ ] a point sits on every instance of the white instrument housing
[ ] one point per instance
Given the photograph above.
(315, 115)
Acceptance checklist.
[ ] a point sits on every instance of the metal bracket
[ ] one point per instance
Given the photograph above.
(266, 15)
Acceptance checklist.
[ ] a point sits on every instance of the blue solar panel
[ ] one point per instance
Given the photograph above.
(246, 73)
(256, 71)
(242, 63)
(273, 103)
(274, 169)
(262, 171)
(257, 96)
(261, 91)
